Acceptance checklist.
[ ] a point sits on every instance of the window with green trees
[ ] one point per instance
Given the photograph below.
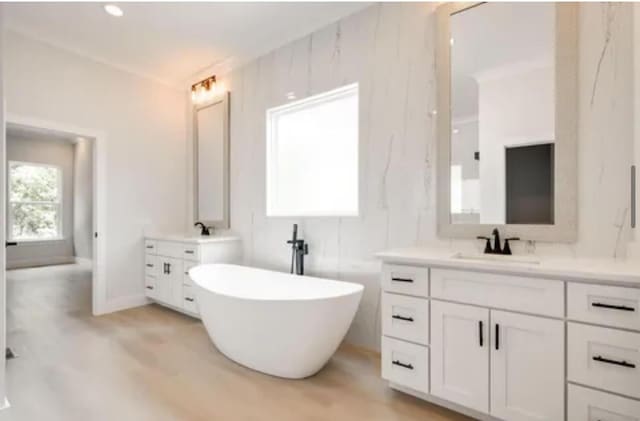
(35, 201)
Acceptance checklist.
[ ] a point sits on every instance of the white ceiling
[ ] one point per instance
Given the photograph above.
(172, 42)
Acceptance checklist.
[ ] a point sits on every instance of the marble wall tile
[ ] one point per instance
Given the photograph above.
(388, 49)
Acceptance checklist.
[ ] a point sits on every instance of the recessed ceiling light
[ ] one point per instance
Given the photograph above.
(291, 95)
(113, 10)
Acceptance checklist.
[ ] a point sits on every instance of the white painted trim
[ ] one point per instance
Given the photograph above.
(99, 287)
(82, 261)
(40, 261)
(125, 303)
(5, 404)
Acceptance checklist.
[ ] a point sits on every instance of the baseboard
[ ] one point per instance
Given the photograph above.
(83, 261)
(40, 261)
(125, 303)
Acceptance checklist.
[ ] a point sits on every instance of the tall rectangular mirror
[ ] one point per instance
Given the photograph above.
(507, 110)
(211, 163)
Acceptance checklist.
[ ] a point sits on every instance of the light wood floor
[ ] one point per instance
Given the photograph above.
(154, 364)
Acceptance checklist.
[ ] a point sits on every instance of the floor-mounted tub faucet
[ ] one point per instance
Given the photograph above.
(298, 250)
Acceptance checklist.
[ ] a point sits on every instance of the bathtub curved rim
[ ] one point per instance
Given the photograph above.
(352, 288)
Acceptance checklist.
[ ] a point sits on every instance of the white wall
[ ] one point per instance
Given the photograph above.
(3, 285)
(52, 152)
(83, 199)
(389, 50)
(144, 123)
(513, 109)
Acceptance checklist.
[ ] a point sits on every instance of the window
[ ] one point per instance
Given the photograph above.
(35, 201)
(312, 155)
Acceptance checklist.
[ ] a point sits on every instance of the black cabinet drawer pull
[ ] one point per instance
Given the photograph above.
(189, 299)
(497, 336)
(408, 280)
(622, 363)
(149, 247)
(613, 307)
(149, 287)
(481, 331)
(189, 251)
(149, 265)
(399, 317)
(403, 365)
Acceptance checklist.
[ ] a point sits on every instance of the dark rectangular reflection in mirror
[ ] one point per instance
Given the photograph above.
(529, 184)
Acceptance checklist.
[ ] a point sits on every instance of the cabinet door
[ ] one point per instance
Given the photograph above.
(527, 367)
(460, 354)
(169, 281)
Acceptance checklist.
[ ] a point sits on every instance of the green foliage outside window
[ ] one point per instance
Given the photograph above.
(34, 201)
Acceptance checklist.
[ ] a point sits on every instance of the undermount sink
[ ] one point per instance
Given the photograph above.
(523, 260)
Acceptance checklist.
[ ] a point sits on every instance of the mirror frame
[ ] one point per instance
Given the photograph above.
(224, 223)
(564, 228)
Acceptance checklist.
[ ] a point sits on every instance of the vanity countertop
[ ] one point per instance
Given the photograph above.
(603, 271)
(193, 239)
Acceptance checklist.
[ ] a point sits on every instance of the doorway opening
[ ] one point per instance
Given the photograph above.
(53, 198)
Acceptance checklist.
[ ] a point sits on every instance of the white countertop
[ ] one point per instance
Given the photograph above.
(593, 270)
(193, 239)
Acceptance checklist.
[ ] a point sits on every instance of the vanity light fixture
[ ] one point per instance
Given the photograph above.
(204, 90)
(113, 10)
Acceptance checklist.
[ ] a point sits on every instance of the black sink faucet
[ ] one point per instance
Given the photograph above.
(204, 230)
(497, 248)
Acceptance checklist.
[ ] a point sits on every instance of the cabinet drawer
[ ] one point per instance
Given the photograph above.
(170, 249)
(191, 252)
(592, 405)
(408, 280)
(405, 364)
(186, 279)
(150, 287)
(151, 265)
(605, 305)
(529, 295)
(189, 302)
(605, 358)
(405, 317)
(150, 246)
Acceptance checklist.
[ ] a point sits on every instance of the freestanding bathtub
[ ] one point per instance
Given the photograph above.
(280, 324)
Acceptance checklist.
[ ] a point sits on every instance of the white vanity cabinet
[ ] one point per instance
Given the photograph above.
(167, 263)
(512, 344)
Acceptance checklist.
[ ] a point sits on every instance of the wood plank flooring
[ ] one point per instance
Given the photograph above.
(151, 363)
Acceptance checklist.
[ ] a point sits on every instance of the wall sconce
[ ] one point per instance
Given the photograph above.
(204, 90)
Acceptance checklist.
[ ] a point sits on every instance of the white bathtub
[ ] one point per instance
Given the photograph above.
(280, 324)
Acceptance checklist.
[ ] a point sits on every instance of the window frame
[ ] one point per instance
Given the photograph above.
(60, 199)
(272, 144)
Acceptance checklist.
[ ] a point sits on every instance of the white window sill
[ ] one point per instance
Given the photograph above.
(35, 242)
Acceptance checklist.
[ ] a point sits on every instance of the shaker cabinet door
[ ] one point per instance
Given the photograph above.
(460, 354)
(527, 367)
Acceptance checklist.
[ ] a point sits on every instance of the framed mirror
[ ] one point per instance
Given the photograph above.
(507, 119)
(211, 162)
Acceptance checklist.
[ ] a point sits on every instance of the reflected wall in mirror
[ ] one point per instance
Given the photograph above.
(507, 110)
(211, 163)
(502, 98)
